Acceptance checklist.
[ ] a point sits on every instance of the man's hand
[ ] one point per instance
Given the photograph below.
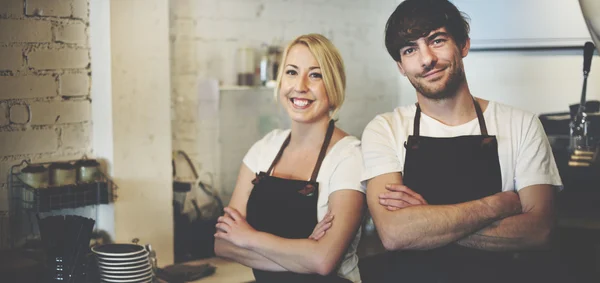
(508, 202)
(399, 196)
(234, 228)
(322, 227)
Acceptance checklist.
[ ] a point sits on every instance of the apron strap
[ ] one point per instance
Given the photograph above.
(482, 126)
(324, 147)
(417, 122)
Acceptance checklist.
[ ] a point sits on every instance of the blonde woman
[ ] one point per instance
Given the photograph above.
(296, 209)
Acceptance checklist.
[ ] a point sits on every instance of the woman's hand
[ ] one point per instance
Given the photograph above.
(234, 228)
(322, 227)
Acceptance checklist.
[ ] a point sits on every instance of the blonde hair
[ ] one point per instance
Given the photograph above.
(332, 67)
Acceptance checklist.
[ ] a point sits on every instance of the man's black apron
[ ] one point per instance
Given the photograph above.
(450, 171)
(287, 208)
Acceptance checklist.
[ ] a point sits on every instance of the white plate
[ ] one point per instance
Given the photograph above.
(149, 281)
(139, 276)
(137, 266)
(135, 258)
(139, 271)
(118, 250)
(120, 263)
(145, 279)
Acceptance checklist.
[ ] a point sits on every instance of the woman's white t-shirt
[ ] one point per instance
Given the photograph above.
(523, 149)
(341, 170)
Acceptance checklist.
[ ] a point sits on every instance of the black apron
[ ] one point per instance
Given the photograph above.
(450, 171)
(287, 208)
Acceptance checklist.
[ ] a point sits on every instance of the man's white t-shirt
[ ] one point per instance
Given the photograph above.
(341, 170)
(523, 149)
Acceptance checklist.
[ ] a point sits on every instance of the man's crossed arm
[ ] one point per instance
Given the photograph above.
(503, 221)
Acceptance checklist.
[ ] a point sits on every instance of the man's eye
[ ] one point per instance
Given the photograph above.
(438, 41)
(408, 51)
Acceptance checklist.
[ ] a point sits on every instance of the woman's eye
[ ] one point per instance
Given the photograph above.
(291, 72)
(316, 75)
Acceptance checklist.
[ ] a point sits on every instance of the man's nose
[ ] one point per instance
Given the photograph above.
(301, 84)
(428, 57)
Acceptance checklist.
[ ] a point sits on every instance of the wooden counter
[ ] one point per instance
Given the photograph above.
(227, 271)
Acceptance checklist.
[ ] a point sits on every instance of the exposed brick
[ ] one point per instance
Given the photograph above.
(3, 207)
(4, 121)
(19, 114)
(11, 58)
(5, 169)
(49, 113)
(72, 33)
(76, 137)
(67, 58)
(27, 87)
(12, 8)
(80, 9)
(74, 85)
(29, 30)
(49, 8)
(28, 142)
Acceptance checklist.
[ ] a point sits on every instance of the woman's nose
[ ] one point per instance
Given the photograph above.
(301, 84)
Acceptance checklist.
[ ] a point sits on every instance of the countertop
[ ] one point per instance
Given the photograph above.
(226, 271)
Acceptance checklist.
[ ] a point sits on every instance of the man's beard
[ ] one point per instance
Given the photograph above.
(445, 91)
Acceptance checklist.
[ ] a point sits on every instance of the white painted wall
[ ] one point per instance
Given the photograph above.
(101, 91)
(141, 128)
(205, 35)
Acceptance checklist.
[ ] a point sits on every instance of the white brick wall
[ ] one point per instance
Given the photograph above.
(73, 136)
(27, 87)
(49, 8)
(44, 72)
(11, 58)
(206, 34)
(75, 84)
(71, 33)
(28, 142)
(60, 112)
(19, 114)
(65, 58)
(4, 120)
(12, 31)
(12, 8)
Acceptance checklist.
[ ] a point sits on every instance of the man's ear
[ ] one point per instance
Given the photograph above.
(466, 48)
(401, 68)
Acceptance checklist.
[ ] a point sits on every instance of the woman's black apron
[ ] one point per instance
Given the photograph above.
(450, 171)
(287, 208)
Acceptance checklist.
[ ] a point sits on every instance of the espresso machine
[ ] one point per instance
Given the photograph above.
(575, 135)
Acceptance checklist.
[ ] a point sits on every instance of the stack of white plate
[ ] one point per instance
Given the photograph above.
(123, 263)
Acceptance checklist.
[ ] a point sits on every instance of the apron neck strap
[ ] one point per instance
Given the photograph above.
(324, 147)
(322, 153)
(482, 127)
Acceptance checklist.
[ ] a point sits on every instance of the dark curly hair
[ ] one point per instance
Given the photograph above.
(414, 19)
